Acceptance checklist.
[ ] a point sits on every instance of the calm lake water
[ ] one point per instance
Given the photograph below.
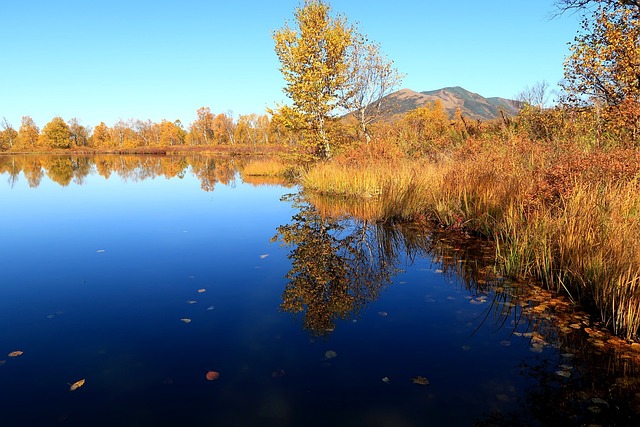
(140, 275)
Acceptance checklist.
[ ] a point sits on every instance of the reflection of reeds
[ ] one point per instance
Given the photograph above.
(258, 181)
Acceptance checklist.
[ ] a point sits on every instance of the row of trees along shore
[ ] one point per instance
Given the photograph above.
(207, 130)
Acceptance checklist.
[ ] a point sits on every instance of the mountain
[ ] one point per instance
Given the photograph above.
(471, 104)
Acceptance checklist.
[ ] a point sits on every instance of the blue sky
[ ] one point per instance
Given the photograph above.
(110, 60)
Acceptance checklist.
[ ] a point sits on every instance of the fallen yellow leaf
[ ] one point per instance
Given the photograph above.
(420, 380)
(15, 353)
(76, 385)
(202, 290)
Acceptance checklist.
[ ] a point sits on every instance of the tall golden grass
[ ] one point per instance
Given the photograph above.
(566, 215)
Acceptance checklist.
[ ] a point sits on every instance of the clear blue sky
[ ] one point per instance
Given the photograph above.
(120, 59)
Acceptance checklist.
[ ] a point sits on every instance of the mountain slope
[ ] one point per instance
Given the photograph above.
(471, 104)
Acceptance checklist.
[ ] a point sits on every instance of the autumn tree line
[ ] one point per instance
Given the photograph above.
(330, 67)
(336, 77)
(207, 130)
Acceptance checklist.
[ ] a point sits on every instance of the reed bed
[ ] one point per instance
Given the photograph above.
(560, 215)
(265, 167)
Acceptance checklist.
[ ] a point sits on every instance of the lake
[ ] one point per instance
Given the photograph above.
(174, 290)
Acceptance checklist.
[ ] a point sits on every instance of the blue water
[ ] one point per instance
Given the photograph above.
(97, 278)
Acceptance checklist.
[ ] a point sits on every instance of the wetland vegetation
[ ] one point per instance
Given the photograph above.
(534, 218)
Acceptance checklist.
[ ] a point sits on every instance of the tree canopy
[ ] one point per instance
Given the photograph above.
(603, 68)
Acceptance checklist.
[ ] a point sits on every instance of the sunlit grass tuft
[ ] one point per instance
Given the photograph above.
(265, 167)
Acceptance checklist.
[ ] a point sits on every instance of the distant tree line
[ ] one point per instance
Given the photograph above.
(208, 129)
(335, 78)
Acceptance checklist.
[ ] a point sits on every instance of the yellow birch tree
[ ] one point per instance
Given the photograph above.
(314, 64)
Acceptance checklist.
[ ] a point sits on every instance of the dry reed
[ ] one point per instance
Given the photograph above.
(576, 230)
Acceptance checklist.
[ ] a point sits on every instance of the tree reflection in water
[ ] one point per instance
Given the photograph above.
(341, 263)
(583, 375)
(337, 267)
(64, 169)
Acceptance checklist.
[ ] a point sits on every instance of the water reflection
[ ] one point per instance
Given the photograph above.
(64, 169)
(336, 268)
(496, 352)
(341, 261)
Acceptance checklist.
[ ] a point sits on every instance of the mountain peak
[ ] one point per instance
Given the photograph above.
(471, 104)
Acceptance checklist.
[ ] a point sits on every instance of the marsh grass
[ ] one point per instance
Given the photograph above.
(265, 167)
(570, 218)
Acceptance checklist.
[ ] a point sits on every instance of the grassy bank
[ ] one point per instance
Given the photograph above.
(565, 214)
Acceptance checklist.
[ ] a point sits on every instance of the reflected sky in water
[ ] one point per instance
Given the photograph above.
(97, 277)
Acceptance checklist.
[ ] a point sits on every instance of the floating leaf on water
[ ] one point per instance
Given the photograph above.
(383, 313)
(599, 401)
(263, 256)
(330, 354)
(536, 348)
(420, 380)
(212, 375)
(100, 251)
(386, 380)
(565, 374)
(616, 342)
(202, 290)
(191, 301)
(76, 385)
(210, 308)
(185, 320)
(15, 353)
(438, 271)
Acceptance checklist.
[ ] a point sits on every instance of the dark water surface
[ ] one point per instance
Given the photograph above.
(142, 274)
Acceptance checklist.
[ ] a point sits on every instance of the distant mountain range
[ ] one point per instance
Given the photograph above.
(471, 104)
